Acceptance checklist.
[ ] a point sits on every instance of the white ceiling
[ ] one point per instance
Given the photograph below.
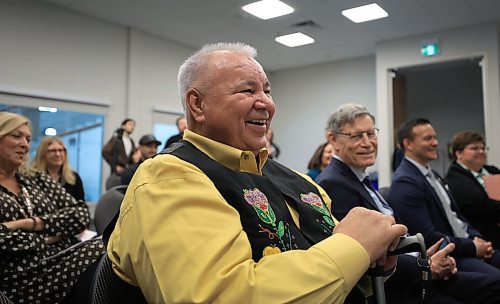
(196, 22)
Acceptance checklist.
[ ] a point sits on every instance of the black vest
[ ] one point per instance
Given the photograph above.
(270, 228)
(261, 202)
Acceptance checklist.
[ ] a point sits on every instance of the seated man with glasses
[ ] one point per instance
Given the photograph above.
(465, 179)
(352, 132)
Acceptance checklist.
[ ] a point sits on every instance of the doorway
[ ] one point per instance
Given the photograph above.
(449, 94)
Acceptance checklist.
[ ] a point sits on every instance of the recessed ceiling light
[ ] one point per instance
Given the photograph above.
(50, 132)
(267, 9)
(47, 109)
(295, 39)
(365, 13)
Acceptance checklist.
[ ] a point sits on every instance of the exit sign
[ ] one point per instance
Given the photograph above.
(429, 49)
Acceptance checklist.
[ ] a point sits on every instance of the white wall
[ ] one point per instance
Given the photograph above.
(451, 98)
(153, 78)
(51, 51)
(54, 52)
(305, 98)
(480, 40)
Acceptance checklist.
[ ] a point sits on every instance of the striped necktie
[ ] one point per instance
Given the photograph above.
(382, 201)
(458, 230)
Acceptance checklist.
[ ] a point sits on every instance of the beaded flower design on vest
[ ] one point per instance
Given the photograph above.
(258, 200)
(313, 200)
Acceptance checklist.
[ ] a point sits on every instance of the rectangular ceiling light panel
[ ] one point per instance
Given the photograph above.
(267, 9)
(295, 39)
(365, 13)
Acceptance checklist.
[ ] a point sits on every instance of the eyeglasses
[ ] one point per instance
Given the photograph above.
(358, 136)
(54, 151)
(477, 148)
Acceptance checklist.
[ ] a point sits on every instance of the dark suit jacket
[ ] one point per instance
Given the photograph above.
(473, 201)
(127, 175)
(173, 139)
(75, 190)
(419, 208)
(344, 188)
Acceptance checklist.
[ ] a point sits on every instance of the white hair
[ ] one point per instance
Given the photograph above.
(345, 114)
(192, 68)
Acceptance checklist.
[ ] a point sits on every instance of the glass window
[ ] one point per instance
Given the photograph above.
(164, 126)
(163, 132)
(82, 134)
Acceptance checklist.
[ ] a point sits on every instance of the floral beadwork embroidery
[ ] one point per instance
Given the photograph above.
(258, 201)
(260, 204)
(313, 200)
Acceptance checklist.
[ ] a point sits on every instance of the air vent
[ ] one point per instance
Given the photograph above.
(307, 24)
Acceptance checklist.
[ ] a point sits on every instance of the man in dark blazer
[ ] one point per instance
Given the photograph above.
(181, 124)
(422, 201)
(352, 132)
(465, 178)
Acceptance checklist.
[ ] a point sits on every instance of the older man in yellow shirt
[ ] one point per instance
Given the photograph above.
(212, 220)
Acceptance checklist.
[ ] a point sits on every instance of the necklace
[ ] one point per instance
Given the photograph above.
(29, 207)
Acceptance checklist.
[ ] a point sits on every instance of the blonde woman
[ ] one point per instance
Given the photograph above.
(38, 220)
(52, 158)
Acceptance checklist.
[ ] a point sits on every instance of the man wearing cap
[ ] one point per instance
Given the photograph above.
(148, 145)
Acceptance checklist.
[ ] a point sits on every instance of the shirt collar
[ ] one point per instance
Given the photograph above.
(474, 173)
(235, 159)
(360, 174)
(423, 169)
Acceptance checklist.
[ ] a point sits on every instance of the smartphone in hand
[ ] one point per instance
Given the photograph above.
(445, 242)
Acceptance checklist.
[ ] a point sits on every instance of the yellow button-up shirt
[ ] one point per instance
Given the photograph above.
(181, 242)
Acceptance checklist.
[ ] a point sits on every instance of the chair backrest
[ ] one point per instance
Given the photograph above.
(108, 288)
(113, 180)
(107, 206)
(384, 191)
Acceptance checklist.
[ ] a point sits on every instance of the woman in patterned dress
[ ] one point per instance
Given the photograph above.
(39, 260)
(51, 157)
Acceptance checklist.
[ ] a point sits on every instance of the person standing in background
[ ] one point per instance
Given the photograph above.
(181, 126)
(148, 145)
(51, 157)
(118, 150)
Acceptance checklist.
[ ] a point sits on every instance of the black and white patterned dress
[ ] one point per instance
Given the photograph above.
(30, 270)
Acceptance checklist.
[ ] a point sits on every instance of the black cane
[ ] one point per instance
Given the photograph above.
(414, 243)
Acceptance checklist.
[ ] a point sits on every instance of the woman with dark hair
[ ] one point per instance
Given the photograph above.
(465, 179)
(52, 158)
(320, 159)
(38, 220)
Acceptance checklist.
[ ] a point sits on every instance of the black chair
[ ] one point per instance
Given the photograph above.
(108, 288)
(107, 206)
(384, 191)
(113, 180)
